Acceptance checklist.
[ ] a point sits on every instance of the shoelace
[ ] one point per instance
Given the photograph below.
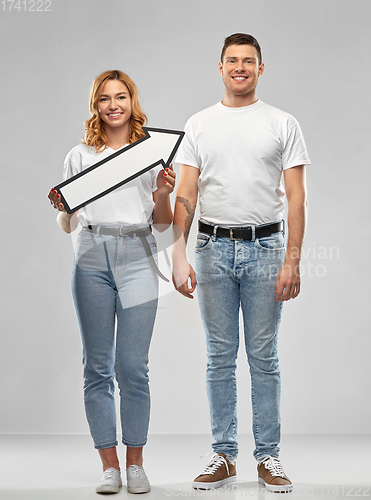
(214, 464)
(109, 473)
(135, 471)
(274, 466)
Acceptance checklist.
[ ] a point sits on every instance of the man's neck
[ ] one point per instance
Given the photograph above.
(239, 101)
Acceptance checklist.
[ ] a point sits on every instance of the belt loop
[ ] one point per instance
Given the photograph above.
(98, 231)
(284, 227)
(252, 233)
(214, 233)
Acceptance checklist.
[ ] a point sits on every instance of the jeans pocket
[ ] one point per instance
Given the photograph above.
(273, 243)
(85, 237)
(151, 240)
(203, 241)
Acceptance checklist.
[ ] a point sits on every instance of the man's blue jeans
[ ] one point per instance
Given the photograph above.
(115, 296)
(230, 274)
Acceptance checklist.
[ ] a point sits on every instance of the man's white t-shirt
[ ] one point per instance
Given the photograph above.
(241, 154)
(129, 205)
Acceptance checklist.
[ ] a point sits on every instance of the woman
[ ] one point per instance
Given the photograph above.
(114, 283)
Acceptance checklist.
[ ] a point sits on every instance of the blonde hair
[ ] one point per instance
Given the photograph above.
(95, 134)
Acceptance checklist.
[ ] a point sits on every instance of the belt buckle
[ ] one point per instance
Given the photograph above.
(231, 235)
(121, 233)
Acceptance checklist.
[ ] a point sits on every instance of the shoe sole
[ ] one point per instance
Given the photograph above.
(209, 486)
(107, 489)
(142, 489)
(284, 488)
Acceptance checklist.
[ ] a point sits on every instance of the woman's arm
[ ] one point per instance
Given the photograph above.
(162, 213)
(67, 222)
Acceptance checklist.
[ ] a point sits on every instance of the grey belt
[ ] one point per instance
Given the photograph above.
(122, 231)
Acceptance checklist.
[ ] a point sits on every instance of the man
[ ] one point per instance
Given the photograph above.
(233, 157)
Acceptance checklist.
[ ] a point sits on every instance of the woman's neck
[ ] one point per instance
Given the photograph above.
(117, 138)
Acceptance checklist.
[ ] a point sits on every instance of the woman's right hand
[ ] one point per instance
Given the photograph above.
(55, 200)
(67, 222)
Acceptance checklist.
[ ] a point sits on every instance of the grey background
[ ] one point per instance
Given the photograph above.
(317, 68)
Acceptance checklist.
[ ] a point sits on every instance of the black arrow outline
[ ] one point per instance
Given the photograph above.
(147, 136)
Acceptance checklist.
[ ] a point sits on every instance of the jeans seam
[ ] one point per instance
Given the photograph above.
(255, 416)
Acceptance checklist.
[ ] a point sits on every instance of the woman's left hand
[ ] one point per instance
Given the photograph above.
(166, 181)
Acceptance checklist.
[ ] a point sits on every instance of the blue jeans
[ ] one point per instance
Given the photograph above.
(115, 292)
(231, 274)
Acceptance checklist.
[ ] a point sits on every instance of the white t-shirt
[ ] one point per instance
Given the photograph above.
(241, 153)
(131, 204)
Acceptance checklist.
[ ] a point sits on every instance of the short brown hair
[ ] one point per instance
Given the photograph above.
(241, 39)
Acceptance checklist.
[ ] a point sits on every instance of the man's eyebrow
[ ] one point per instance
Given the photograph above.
(252, 58)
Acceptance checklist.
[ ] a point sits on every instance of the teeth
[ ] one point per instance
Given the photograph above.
(114, 114)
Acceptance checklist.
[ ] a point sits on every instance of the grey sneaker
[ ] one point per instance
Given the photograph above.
(110, 481)
(137, 481)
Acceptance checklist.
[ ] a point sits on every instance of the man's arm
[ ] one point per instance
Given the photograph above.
(185, 205)
(288, 280)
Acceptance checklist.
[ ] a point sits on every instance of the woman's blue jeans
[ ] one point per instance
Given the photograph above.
(230, 274)
(115, 292)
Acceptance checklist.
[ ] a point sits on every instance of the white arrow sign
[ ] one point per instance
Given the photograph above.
(158, 147)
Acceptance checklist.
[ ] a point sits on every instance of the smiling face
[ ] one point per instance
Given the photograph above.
(240, 70)
(114, 105)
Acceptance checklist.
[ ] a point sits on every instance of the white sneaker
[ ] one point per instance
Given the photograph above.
(110, 481)
(137, 481)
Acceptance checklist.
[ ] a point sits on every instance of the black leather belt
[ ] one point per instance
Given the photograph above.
(242, 233)
(127, 231)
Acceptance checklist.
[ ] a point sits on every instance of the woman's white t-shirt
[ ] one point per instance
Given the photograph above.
(129, 205)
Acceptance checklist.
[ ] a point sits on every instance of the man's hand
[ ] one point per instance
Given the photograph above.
(288, 281)
(183, 273)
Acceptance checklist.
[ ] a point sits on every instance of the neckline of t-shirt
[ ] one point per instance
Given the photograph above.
(243, 109)
(114, 150)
